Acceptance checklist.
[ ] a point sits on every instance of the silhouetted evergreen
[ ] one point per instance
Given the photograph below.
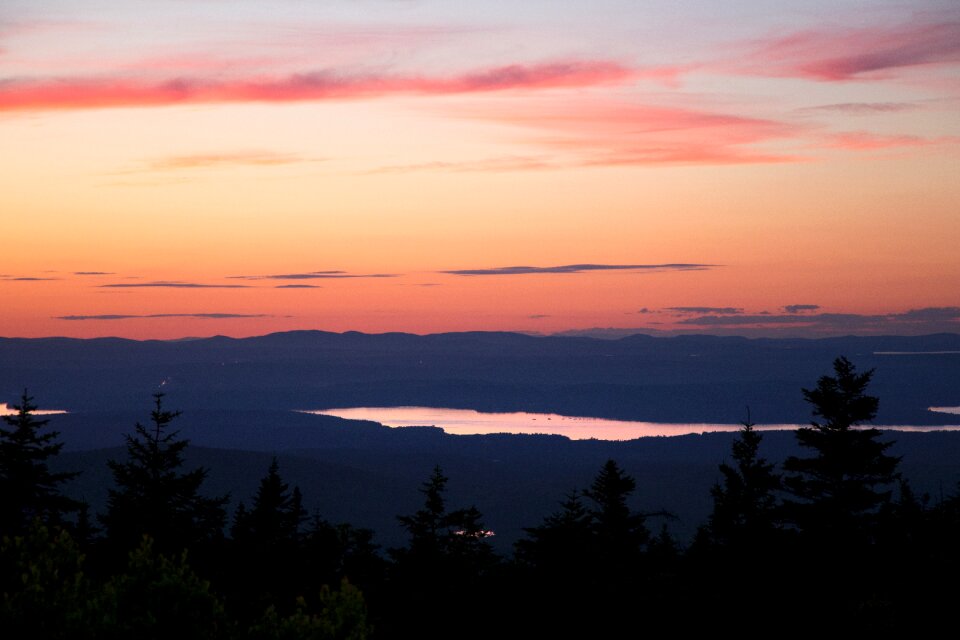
(447, 548)
(852, 558)
(590, 559)
(27, 486)
(331, 553)
(275, 516)
(559, 548)
(443, 541)
(838, 492)
(595, 532)
(154, 497)
(744, 505)
(266, 564)
(620, 534)
(740, 546)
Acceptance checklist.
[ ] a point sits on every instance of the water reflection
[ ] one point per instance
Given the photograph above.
(7, 410)
(470, 422)
(953, 410)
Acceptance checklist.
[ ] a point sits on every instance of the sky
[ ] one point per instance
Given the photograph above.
(174, 168)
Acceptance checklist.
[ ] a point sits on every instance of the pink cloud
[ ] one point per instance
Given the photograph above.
(496, 164)
(847, 54)
(865, 141)
(606, 133)
(254, 158)
(23, 95)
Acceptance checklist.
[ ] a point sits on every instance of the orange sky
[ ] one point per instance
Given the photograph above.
(334, 167)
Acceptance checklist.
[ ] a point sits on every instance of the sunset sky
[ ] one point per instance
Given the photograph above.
(179, 168)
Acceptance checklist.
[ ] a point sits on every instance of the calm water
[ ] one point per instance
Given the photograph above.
(6, 410)
(469, 422)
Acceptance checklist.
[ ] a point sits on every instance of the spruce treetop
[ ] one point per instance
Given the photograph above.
(29, 489)
(838, 491)
(153, 496)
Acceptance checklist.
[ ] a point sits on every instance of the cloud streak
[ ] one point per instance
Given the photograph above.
(238, 158)
(862, 108)
(203, 316)
(170, 285)
(314, 275)
(932, 319)
(599, 132)
(121, 91)
(504, 164)
(838, 54)
(706, 310)
(578, 268)
(866, 141)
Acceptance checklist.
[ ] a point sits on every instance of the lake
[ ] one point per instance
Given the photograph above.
(7, 410)
(470, 422)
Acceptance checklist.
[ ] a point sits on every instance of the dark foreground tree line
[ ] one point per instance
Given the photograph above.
(832, 538)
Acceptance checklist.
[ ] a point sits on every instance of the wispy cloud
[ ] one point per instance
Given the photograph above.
(93, 273)
(928, 319)
(866, 141)
(297, 286)
(257, 158)
(170, 285)
(27, 278)
(122, 91)
(707, 310)
(505, 163)
(862, 108)
(800, 308)
(839, 54)
(204, 316)
(315, 275)
(602, 132)
(578, 268)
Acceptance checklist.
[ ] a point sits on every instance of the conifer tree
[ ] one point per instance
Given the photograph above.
(427, 526)
(560, 546)
(446, 549)
(275, 516)
(620, 533)
(27, 486)
(837, 492)
(598, 538)
(444, 542)
(153, 496)
(744, 505)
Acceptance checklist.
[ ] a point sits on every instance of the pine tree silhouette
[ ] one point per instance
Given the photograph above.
(744, 505)
(620, 534)
(154, 497)
(28, 488)
(837, 492)
(275, 516)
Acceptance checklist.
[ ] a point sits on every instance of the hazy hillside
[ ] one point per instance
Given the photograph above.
(678, 379)
(367, 474)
